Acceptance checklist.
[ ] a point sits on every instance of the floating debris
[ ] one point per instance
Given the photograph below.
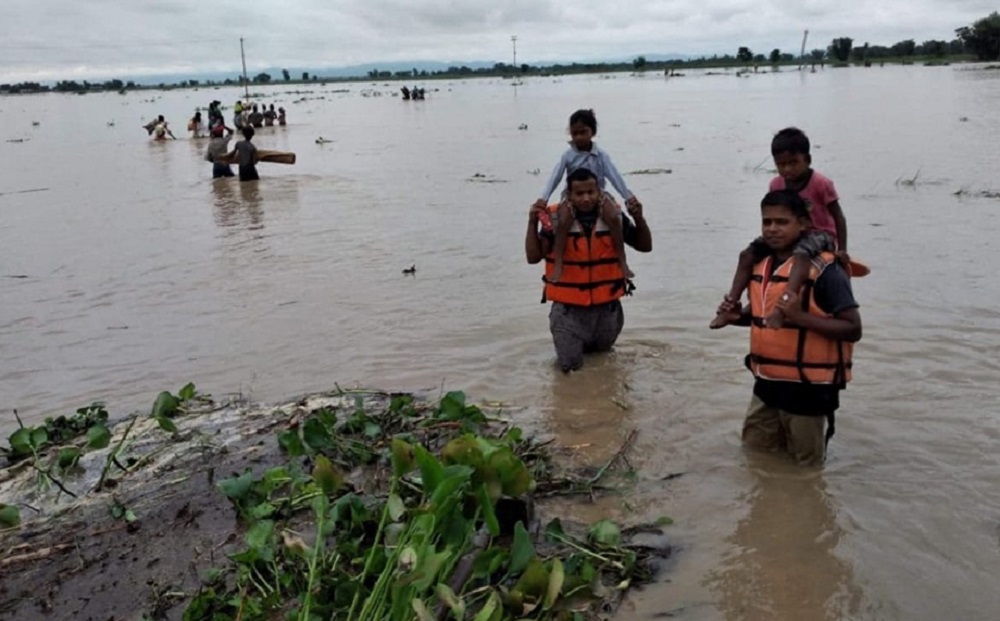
(652, 171)
(481, 178)
(410, 271)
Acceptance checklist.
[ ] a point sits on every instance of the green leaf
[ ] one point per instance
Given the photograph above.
(166, 424)
(68, 457)
(454, 478)
(259, 535)
(605, 533)
(130, 516)
(39, 437)
(522, 550)
(316, 435)
(489, 513)
(395, 507)
(515, 479)
(117, 511)
(664, 521)
(421, 609)
(556, 578)
(452, 601)
(98, 437)
(431, 471)
(402, 457)
(10, 516)
(20, 441)
(291, 443)
(237, 488)
(489, 561)
(187, 392)
(486, 612)
(261, 511)
(452, 406)
(554, 532)
(165, 405)
(329, 478)
(372, 430)
(327, 416)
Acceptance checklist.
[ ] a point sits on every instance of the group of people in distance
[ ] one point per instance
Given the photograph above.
(802, 314)
(245, 119)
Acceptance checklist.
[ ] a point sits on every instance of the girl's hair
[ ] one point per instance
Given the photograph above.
(789, 199)
(790, 140)
(586, 117)
(248, 132)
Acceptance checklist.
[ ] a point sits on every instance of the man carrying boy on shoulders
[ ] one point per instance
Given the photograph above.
(800, 368)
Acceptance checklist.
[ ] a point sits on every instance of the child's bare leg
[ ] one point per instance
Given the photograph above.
(741, 280)
(565, 222)
(611, 215)
(796, 278)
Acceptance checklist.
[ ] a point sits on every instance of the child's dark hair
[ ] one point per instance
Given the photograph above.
(248, 132)
(580, 174)
(789, 199)
(790, 140)
(586, 117)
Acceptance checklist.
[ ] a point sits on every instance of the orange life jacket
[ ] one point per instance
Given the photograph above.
(793, 354)
(592, 272)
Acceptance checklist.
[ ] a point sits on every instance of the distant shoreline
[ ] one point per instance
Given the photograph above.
(507, 72)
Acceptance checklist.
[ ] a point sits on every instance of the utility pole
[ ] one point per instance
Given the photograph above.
(246, 82)
(513, 41)
(802, 52)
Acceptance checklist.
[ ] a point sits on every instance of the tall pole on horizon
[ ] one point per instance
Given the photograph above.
(513, 41)
(246, 82)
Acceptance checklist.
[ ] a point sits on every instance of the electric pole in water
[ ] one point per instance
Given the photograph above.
(246, 82)
(513, 41)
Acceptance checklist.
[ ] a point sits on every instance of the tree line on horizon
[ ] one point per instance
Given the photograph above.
(981, 40)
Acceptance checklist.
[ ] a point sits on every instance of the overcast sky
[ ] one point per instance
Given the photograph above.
(56, 39)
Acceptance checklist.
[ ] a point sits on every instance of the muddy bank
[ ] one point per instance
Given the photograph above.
(142, 542)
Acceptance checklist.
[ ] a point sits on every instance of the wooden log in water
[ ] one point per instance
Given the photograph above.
(263, 155)
(276, 157)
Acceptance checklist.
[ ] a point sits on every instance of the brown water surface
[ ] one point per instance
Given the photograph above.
(132, 271)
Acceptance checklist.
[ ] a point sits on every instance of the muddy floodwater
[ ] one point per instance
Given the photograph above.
(125, 270)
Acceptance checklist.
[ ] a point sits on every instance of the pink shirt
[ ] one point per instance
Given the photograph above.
(818, 194)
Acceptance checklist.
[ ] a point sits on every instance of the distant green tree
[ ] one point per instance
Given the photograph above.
(262, 78)
(639, 63)
(744, 55)
(956, 46)
(305, 76)
(933, 48)
(904, 48)
(286, 75)
(860, 54)
(841, 48)
(525, 67)
(982, 38)
(817, 54)
(775, 55)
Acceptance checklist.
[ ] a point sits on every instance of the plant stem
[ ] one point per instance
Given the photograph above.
(317, 550)
(371, 556)
(113, 454)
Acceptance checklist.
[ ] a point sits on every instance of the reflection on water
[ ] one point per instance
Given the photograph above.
(782, 564)
(237, 203)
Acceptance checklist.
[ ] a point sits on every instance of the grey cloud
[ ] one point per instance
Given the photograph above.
(52, 38)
